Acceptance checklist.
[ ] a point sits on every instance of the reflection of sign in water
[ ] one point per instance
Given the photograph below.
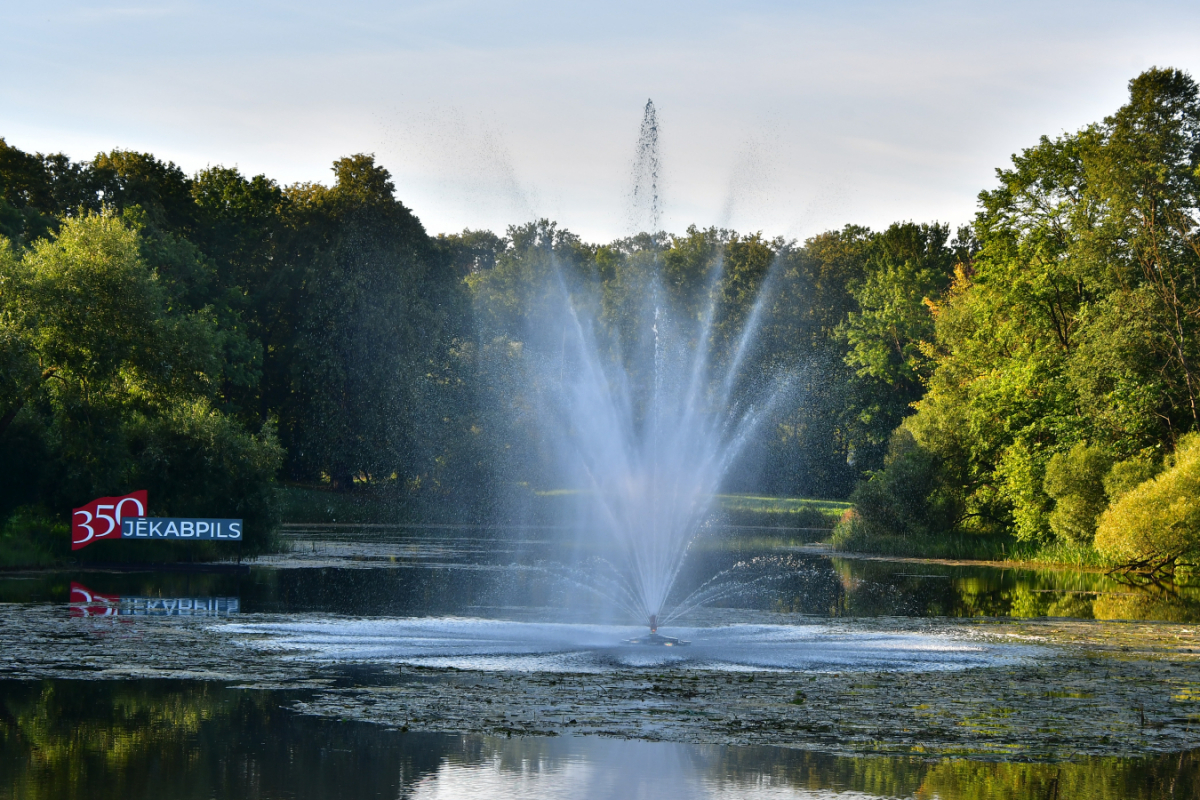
(101, 518)
(86, 603)
(226, 530)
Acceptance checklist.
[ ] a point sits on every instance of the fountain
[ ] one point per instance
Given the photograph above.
(644, 402)
(651, 427)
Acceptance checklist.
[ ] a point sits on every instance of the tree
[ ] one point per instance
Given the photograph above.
(1157, 523)
(1075, 480)
(1075, 322)
(26, 195)
(906, 266)
(124, 178)
(112, 376)
(1143, 169)
(370, 395)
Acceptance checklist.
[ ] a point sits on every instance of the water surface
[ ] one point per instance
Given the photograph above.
(402, 626)
(181, 739)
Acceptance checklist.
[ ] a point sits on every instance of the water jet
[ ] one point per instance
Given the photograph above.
(651, 398)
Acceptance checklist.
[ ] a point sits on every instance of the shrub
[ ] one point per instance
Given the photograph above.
(908, 497)
(1076, 482)
(32, 537)
(1157, 523)
(1129, 474)
(197, 462)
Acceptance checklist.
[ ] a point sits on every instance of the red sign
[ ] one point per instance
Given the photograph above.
(101, 518)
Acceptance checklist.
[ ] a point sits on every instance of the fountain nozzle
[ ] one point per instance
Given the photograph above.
(655, 638)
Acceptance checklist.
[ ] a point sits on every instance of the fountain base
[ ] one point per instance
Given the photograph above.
(657, 640)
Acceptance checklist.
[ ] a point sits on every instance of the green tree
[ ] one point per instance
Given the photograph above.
(1076, 481)
(1076, 320)
(113, 374)
(1157, 523)
(1143, 168)
(372, 383)
(907, 265)
(26, 195)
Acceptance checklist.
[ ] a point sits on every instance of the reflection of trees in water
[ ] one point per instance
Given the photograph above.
(1156, 597)
(715, 579)
(1102, 778)
(739, 577)
(1168, 776)
(179, 739)
(921, 589)
(787, 583)
(824, 586)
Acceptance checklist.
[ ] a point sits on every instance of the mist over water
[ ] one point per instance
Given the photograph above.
(491, 645)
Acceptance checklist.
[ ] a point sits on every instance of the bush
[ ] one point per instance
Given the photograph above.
(32, 538)
(907, 498)
(1129, 474)
(195, 461)
(1157, 523)
(1076, 482)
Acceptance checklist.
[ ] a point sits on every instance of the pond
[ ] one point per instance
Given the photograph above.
(430, 662)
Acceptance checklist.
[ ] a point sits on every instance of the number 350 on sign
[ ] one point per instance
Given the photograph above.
(101, 518)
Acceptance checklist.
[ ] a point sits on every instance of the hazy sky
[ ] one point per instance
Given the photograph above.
(789, 118)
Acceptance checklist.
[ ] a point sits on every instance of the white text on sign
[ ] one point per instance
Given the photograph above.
(181, 528)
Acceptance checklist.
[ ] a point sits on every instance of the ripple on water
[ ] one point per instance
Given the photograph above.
(488, 645)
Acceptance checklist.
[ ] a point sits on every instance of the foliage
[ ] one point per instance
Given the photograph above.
(907, 499)
(1008, 382)
(1157, 523)
(389, 361)
(370, 348)
(195, 461)
(906, 266)
(1076, 321)
(1076, 481)
(121, 393)
(1129, 474)
(30, 537)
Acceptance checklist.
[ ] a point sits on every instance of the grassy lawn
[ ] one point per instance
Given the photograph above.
(317, 504)
(970, 547)
(780, 512)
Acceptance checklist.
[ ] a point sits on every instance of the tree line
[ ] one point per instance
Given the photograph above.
(205, 336)
(200, 336)
(1059, 390)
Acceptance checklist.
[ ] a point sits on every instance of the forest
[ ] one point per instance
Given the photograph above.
(1028, 380)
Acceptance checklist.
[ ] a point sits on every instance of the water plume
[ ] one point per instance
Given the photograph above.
(647, 169)
(652, 429)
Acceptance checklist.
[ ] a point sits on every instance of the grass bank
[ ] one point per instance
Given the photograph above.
(520, 503)
(851, 539)
(753, 511)
(964, 546)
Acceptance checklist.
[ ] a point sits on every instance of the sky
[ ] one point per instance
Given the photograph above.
(788, 118)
